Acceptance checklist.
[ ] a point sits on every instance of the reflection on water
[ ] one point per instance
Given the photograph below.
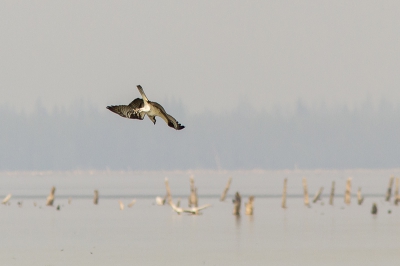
(238, 219)
(250, 218)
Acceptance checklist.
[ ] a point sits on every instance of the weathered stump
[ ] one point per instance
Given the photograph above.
(168, 196)
(306, 200)
(374, 209)
(396, 192)
(193, 193)
(250, 206)
(50, 198)
(121, 205)
(360, 198)
(284, 193)
(96, 197)
(389, 190)
(6, 199)
(132, 203)
(347, 194)
(332, 193)
(317, 196)
(237, 202)
(223, 196)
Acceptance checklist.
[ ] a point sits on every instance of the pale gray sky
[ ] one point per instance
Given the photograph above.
(209, 54)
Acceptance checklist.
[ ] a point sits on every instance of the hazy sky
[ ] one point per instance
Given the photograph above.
(210, 55)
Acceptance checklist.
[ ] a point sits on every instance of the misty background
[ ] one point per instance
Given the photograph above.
(84, 138)
(259, 84)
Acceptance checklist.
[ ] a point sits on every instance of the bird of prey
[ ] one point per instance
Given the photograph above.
(139, 108)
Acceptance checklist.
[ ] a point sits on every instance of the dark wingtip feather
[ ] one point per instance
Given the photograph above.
(178, 126)
(113, 108)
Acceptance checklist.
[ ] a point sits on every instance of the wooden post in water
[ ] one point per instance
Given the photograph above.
(318, 195)
(374, 209)
(332, 193)
(223, 196)
(6, 199)
(360, 198)
(121, 205)
(284, 193)
(389, 190)
(396, 192)
(306, 201)
(50, 198)
(169, 196)
(194, 198)
(193, 193)
(96, 197)
(132, 203)
(237, 201)
(249, 206)
(347, 194)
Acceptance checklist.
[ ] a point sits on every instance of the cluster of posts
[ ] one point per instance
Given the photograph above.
(347, 194)
(249, 205)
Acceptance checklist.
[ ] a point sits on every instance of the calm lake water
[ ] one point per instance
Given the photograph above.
(82, 233)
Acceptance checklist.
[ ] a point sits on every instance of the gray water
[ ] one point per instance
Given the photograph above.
(82, 233)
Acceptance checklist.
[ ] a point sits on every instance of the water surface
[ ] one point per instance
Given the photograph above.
(82, 233)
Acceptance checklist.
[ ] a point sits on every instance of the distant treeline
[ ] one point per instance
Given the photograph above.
(86, 138)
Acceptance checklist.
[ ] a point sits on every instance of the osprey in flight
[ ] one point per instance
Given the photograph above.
(138, 108)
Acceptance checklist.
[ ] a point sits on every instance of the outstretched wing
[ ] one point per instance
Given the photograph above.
(172, 122)
(203, 207)
(142, 93)
(175, 208)
(137, 103)
(126, 111)
(195, 210)
(192, 211)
